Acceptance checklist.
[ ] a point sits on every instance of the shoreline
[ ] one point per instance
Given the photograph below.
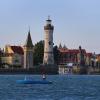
(33, 71)
(39, 71)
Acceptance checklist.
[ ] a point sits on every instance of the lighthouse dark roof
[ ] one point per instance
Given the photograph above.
(28, 41)
(48, 26)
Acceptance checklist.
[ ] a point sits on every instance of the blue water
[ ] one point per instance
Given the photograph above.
(64, 87)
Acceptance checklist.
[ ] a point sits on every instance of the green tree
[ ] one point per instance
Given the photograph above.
(38, 52)
(56, 54)
(0, 59)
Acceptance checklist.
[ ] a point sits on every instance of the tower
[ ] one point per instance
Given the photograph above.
(81, 57)
(28, 52)
(48, 43)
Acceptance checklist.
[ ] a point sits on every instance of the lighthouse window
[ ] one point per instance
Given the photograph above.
(49, 43)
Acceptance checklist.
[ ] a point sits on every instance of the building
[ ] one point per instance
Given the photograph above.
(28, 52)
(1, 55)
(70, 56)
(48, 43)
(88, 59)
(17, 56)
(98, 61)
(76, 57)
(66, 69)
(13, 56)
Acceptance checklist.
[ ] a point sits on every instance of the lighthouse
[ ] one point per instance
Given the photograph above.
(48, 43)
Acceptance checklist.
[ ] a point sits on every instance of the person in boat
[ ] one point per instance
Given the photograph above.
(44, 77)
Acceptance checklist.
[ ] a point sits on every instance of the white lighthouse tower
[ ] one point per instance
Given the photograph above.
(48, 43)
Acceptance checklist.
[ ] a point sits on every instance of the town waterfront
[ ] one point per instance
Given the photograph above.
(64, 87)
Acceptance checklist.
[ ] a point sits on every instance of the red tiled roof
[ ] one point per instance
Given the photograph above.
(71, 50)
(17, 49)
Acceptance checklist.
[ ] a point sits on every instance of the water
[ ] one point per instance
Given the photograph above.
(64, 87)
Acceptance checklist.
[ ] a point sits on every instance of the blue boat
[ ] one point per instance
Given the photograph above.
(27, 81)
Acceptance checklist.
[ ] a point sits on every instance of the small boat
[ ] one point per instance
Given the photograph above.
(27, 81)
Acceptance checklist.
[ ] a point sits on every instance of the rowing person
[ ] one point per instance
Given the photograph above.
(44, 77)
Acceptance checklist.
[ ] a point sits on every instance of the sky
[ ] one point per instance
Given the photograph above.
(76, 22)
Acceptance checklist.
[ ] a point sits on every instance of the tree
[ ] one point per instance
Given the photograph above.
(56, 54)
(38, 52)
(0, 58)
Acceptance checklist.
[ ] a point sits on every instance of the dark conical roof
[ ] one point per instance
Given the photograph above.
(28, 41)
(48, 26)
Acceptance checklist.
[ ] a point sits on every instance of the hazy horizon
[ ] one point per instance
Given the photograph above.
(76, 22)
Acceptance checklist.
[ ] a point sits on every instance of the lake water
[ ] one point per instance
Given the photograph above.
(64, 87)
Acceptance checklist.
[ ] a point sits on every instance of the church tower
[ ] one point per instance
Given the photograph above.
(48, 43)
(28, 52)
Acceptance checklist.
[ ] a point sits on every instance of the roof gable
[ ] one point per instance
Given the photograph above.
(17, 49)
